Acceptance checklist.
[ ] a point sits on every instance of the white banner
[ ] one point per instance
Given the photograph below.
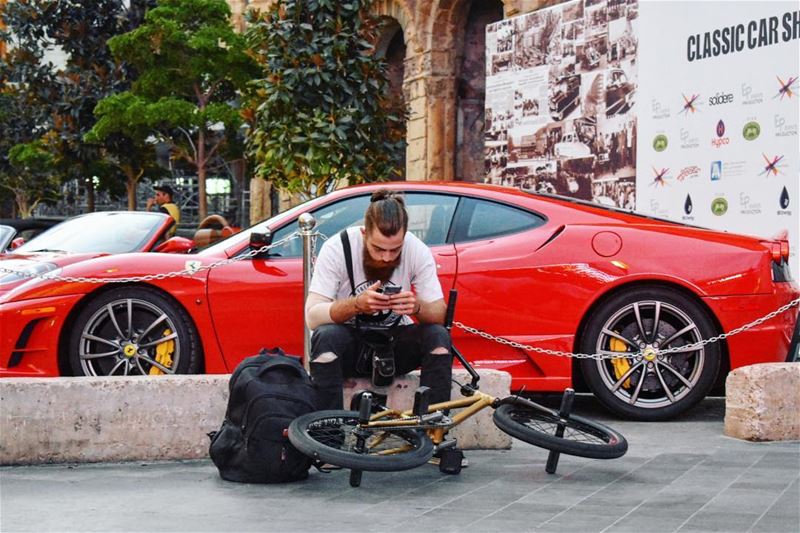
(718, 116)
(682, 110)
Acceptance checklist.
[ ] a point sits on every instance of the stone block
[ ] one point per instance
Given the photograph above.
(62, 420)
(761, 402)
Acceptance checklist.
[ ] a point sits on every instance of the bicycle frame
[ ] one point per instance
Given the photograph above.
(470, 405)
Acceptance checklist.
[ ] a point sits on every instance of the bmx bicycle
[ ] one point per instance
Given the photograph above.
(373, 437)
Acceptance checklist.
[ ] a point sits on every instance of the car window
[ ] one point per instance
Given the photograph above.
(429, 218)
(483, 219)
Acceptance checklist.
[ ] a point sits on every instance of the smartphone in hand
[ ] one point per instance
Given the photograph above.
(389, 290)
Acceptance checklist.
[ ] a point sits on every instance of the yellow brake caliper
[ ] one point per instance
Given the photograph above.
(164, 351)
(621, 364)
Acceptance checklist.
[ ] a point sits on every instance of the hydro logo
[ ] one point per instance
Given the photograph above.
(687, 205)
(721, 140)
(751, 130)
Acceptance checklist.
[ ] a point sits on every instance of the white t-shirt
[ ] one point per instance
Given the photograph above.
(416, 271)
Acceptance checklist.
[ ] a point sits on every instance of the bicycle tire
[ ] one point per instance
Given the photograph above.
(329, 436)
(582, 437)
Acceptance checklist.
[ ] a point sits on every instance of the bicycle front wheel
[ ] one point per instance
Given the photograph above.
(332, 437)
(537, 426)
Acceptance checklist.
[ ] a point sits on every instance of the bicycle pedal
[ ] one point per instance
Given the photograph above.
(450, 461)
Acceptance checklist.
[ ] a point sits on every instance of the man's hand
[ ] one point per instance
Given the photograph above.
(371, 301)
(150, 203)
(404, 303)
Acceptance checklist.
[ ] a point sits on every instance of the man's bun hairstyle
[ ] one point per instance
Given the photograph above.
(387, 212)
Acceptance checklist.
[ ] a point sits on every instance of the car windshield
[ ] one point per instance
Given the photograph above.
(244, 236)
(6, 234)
(111, 232)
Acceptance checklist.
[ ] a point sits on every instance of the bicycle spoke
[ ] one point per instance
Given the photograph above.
(547, 423)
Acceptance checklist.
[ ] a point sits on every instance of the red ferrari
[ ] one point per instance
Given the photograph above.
(541, 271)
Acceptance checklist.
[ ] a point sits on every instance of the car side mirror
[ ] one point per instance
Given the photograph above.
(175, 245)
(260, 239)
(16, 243)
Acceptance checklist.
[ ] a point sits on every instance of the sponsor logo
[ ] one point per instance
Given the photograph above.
(786, 88)
(720, 98)
(784, 128)
(746, 207)
(687, 205)
(690, 103)
(783, 201)
(656, 210)
(719, 206)
(716, 170)
(660, 177)
(721, 140)
(751, 131)
(688, 172)
(660, 142)
(749, 97)
(688, 140)
(773, 165)
(660, 110)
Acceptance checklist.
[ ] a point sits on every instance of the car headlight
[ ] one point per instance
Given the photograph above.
(29, 272)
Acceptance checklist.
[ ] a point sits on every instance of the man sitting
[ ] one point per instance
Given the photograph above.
(384, 254)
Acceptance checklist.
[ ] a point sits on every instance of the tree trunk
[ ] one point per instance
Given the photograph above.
(89, 195)
(131, 185)
(24, 209)
(202, 205)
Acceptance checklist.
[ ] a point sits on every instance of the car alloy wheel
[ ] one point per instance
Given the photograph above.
(648, 385)
(133, 331)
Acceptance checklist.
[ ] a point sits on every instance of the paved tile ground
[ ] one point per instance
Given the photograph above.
(679, 476)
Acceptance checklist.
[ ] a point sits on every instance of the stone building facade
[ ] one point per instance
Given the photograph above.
(435, 50)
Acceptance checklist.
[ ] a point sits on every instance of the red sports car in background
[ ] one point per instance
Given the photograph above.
(542, 271)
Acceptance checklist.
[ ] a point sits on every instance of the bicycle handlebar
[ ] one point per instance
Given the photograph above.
(451, 309)
(448, 323)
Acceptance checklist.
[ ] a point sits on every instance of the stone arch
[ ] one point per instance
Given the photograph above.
(399, 11)
(446, 20)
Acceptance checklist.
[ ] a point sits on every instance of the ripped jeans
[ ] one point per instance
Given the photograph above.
(335, 349)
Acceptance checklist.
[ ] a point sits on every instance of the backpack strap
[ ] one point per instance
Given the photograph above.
(348, 259)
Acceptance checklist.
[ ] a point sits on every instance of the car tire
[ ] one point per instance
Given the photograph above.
(672, 382)
(159, 338)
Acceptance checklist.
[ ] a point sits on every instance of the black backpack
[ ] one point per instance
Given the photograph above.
(267, 392)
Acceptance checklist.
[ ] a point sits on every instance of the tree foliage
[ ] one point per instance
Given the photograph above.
(190, 65)
(31, 179)
(57, 103)
(321, 111)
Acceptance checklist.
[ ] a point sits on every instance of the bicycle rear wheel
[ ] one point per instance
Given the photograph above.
(537, 426)
(330, 436)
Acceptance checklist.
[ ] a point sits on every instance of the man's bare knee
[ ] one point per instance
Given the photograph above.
(327, 357)
(440, 351)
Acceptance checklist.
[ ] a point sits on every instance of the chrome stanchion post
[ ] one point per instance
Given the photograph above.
(307, 222)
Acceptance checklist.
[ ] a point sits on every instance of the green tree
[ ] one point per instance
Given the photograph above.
(322, 109)
(56, 104)
(190, 65)
(27, 85)
(31, 180)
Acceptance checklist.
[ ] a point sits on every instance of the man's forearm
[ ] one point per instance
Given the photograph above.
(431, 312)
(344, 309)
